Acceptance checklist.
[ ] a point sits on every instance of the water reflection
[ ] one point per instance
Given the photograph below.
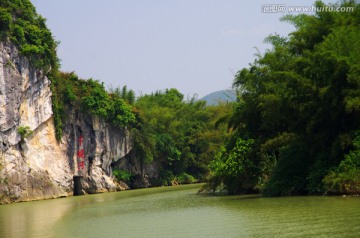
(179, 212)
(34, 219)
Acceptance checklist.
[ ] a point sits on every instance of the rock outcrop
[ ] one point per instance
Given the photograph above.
(92, 147)
(38, 166)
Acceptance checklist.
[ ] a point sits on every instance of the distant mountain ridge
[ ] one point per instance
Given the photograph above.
(215, 98)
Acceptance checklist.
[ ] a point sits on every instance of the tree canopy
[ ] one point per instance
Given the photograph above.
(20, 24)
(179, 135)
(300, 109)
(295, 128)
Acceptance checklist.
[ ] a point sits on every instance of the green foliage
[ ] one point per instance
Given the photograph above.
(121, 114)
(20, 23)
(24, 131)
(234, 167)
(300, 102)
(122, 175)
(288, 177)
(185, 178)
(345, 179)
(89, 96)
(166, 178)
(96, 100)
(124, 93)
(179, 135)
(5, 21)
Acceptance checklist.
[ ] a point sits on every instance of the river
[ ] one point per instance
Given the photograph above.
(179, 212)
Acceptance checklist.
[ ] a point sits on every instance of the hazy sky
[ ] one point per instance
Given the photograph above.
(195, 46)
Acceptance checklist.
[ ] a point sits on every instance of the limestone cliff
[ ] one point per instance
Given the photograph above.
(39, 167)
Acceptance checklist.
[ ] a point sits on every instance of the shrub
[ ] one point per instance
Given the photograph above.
(122, 113)
(24, 131)
(345, 179)
(5, 20)
(185, 178)
(289, 175)
(97, 102)
(123, 175)
(235, 168)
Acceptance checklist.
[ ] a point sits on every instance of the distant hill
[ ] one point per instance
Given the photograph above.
(220, 96)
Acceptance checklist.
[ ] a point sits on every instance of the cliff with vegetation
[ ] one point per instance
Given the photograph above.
(62, 135)
(293, 130)
(46, 141)
(34, 164)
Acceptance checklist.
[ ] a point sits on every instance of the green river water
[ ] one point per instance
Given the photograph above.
(179, 212)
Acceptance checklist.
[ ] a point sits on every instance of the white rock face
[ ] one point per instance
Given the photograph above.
(39, 167)
(102, 144)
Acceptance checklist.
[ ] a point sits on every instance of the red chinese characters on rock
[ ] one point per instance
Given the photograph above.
(81, 165)
(81, 154)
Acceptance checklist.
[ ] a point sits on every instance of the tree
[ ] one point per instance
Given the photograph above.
(234, 167)
(300, 102)
(179, 135)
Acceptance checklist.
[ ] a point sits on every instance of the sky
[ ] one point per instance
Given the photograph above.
(195, 46)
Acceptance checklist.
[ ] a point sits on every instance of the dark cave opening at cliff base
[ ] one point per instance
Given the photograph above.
(77, 186)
